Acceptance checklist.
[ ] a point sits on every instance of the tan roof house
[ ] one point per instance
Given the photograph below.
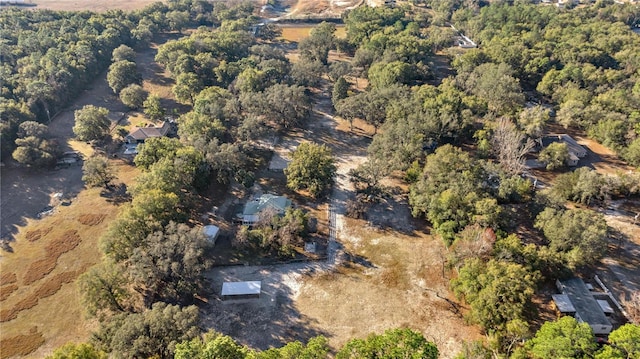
(141, 134)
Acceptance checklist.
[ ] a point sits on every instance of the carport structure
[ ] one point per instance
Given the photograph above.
(241, 290)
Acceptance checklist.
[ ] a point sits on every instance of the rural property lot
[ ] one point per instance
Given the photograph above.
(374, 279)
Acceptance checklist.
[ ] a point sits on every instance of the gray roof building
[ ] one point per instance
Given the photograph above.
(576, 151)
(252, 210)
(585, 307)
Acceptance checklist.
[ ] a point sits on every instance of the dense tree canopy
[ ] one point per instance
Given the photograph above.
(77, 351)
(564, 338)
(394, 343)
(133, 96)
(122, 74)
(497, 292)
(554, 156)
(170, 264)
(155, 331)
(579, 234)
(33, 145)
(283, 105)
(96, 171)
(580, 60)
(451, 193)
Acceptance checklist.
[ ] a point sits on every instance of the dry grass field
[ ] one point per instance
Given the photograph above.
(72, 5)
(295, 33)
(40, 307)
(393, 280)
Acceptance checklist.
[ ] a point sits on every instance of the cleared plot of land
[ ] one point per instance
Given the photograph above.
(395, 280)
(387, 280)
(321, 8)
(75, 5)
(295, 33)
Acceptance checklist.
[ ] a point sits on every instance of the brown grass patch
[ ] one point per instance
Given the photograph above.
(8, 278)
(21, 344)
(48, 289)
(394, 277)
(91, 219)
(66, 242)
(6, 291)
(35, 235)
(55, 283)
(295, 33)
(60, 245)
(39, 269)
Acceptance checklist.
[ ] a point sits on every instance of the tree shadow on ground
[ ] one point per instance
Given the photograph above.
(26, 191)
(116, 194)
(391, 212)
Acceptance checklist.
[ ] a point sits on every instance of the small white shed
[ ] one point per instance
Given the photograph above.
(212, 232)
(240, 290)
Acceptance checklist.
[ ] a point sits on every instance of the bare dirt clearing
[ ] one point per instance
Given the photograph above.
(395, 282)
(297, 32)
(620, 270)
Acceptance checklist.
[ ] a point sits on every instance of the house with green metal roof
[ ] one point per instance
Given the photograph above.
(252, 210)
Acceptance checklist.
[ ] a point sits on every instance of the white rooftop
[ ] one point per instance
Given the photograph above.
(241, 288)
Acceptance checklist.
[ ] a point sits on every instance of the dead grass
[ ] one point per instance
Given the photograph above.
(33, 236)
(8, 278)
(295, 33)
(392, 280)
(359, 127)
(82, 147)
(39, 269)
(91, 219)
(21, 344)
(53, 263)
(6, 291)
(394, 275)
(54, 249)
(48, 289)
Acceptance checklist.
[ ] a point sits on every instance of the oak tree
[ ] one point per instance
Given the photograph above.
(97, 171)
(91, 123)
(312, 167)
